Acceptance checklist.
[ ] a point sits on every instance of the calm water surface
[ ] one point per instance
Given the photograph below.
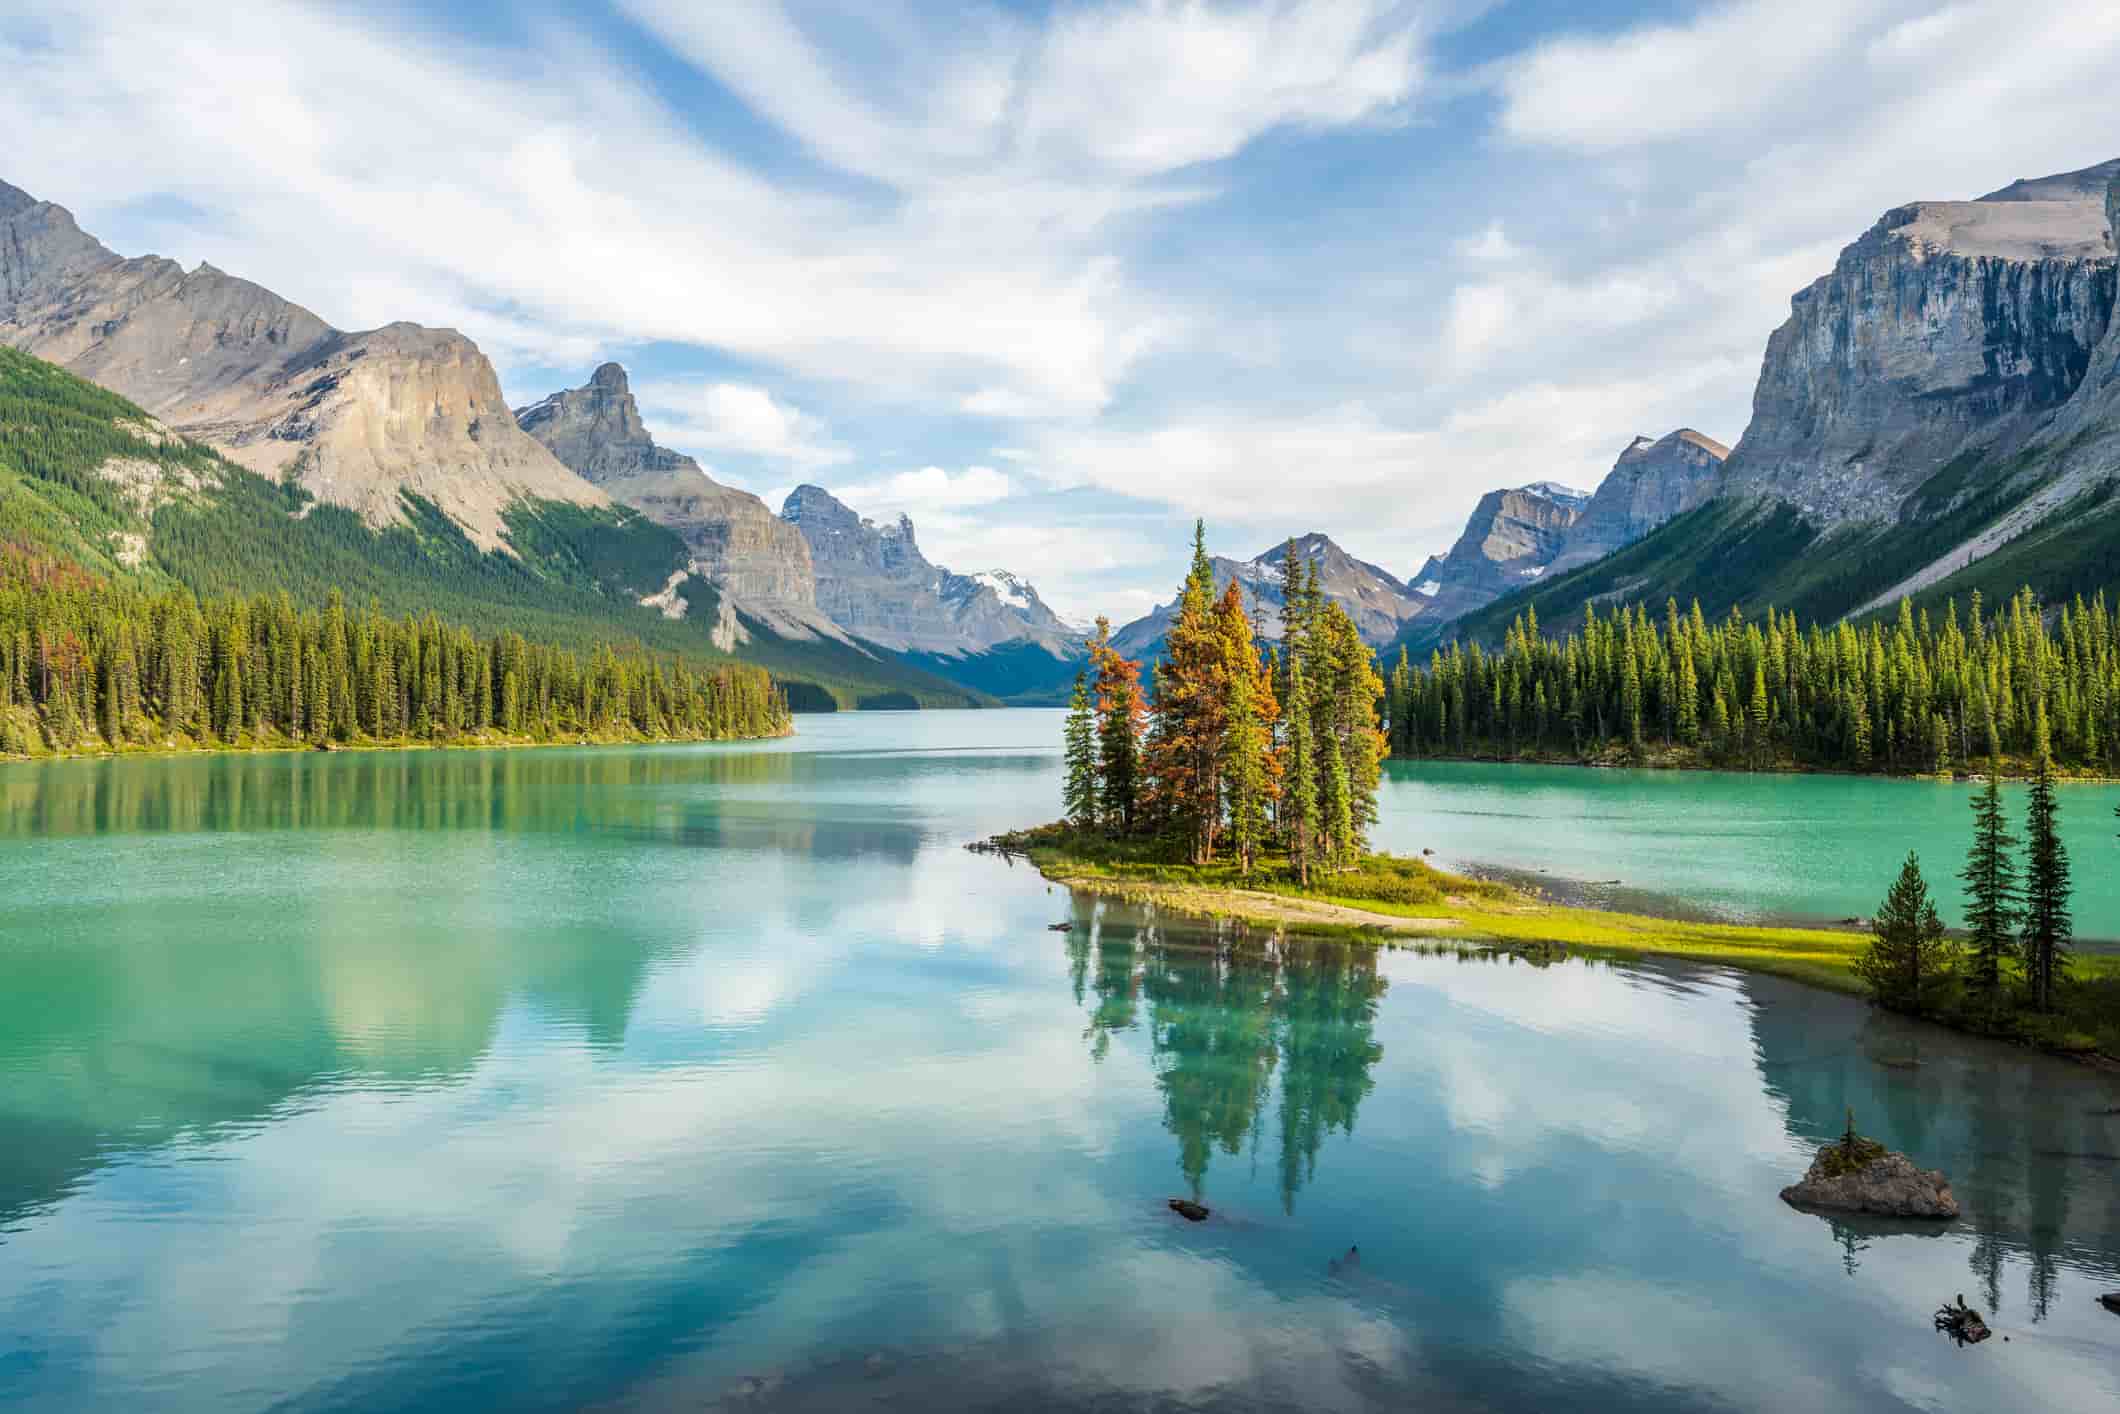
(722, 1076)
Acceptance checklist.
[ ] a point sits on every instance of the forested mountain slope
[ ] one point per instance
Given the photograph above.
(1940, 412)
(89, 478)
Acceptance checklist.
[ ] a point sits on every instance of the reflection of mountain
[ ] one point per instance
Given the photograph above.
(1227, 1010)
(2029, 1142)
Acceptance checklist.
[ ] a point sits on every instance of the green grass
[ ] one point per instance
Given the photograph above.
(1408, 897)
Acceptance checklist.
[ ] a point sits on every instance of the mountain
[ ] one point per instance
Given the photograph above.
(1652, 482)
(760, 563)
(1939, 413)
(1376, 602)
(989, 629)
(357, 419)
(384, 463)
(1511, 537)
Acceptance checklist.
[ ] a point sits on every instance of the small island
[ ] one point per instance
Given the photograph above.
(1242, 783)
(1854, 1174)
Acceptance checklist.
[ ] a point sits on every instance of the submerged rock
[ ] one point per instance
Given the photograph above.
(1857, 1175)
(1187, 1209)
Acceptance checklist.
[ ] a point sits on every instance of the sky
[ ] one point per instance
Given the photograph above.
(1055, 278)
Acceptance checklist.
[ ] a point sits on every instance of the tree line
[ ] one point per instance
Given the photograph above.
(1907, 695)
(90, 666)
(1232, 749)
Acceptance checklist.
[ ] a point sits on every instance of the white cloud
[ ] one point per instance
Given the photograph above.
(739, 418)
(928, 489)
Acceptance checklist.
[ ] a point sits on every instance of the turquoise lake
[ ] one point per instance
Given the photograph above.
(724, 1077)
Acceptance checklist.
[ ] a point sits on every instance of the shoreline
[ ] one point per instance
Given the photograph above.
(1679, 762)
(1482, 913)
(336, 748)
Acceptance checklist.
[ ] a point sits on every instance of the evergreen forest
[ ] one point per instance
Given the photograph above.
(1912, 693)
(89, 666)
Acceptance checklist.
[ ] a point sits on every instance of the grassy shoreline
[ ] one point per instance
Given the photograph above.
(1389, 898)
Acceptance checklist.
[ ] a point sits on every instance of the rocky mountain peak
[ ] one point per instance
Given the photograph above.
(360, 418)
(758, 560)
(14, 199)
(1948, 328)
(875, 583)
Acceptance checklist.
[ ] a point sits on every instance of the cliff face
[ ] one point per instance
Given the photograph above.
(1376, 602)
(1949, 328)
(736, 543)
(1652, 482)
(358, 418)
(873, 581)
(1508, 541)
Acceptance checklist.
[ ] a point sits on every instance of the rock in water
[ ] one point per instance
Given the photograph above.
(1865, 1177)
(1187, 1209)
(1962, 1323)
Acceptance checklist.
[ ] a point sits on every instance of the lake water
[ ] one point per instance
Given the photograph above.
(722, 1076)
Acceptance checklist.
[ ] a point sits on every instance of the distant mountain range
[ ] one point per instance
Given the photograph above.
(1940, 412)
(1378, 603)
(405, 428)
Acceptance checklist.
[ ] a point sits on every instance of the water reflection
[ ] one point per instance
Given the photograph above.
(1229, 1009)
(2031, 1144)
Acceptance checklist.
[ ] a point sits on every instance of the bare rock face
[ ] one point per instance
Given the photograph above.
(1510, 540)
(736, 542)
(873, 581)
(1378, 603)
(1950, 327)
(1652, 482)
(1883, 1184)
(358, 418)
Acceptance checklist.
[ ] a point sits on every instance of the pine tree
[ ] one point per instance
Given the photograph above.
(1245, 773)
(1119, 708)
(1299, 800)
(1908, 953)
(2048, 927)
(1080, 792)
(1990, 877)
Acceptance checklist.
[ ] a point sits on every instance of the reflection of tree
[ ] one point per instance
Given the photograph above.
(1211, 1017)
(1227, 1009)
(1328, 1010)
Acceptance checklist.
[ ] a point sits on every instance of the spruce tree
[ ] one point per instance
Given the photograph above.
(1908, 952)
(1299, 799)
(1990, 877)
(2047, 925)
(1245, 771)
(1080, 793)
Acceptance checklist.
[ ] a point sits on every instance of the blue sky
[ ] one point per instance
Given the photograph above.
(1054, 278)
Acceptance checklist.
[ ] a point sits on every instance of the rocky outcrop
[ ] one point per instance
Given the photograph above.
(1510, 540)
(1950, 329)
(359, 419)
(1378, 603)
(1870, 1179)
(757, 559)
(873, 581)
(1652, 482)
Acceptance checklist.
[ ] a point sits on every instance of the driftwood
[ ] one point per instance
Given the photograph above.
(1187, 1209)
(1962, 1323)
